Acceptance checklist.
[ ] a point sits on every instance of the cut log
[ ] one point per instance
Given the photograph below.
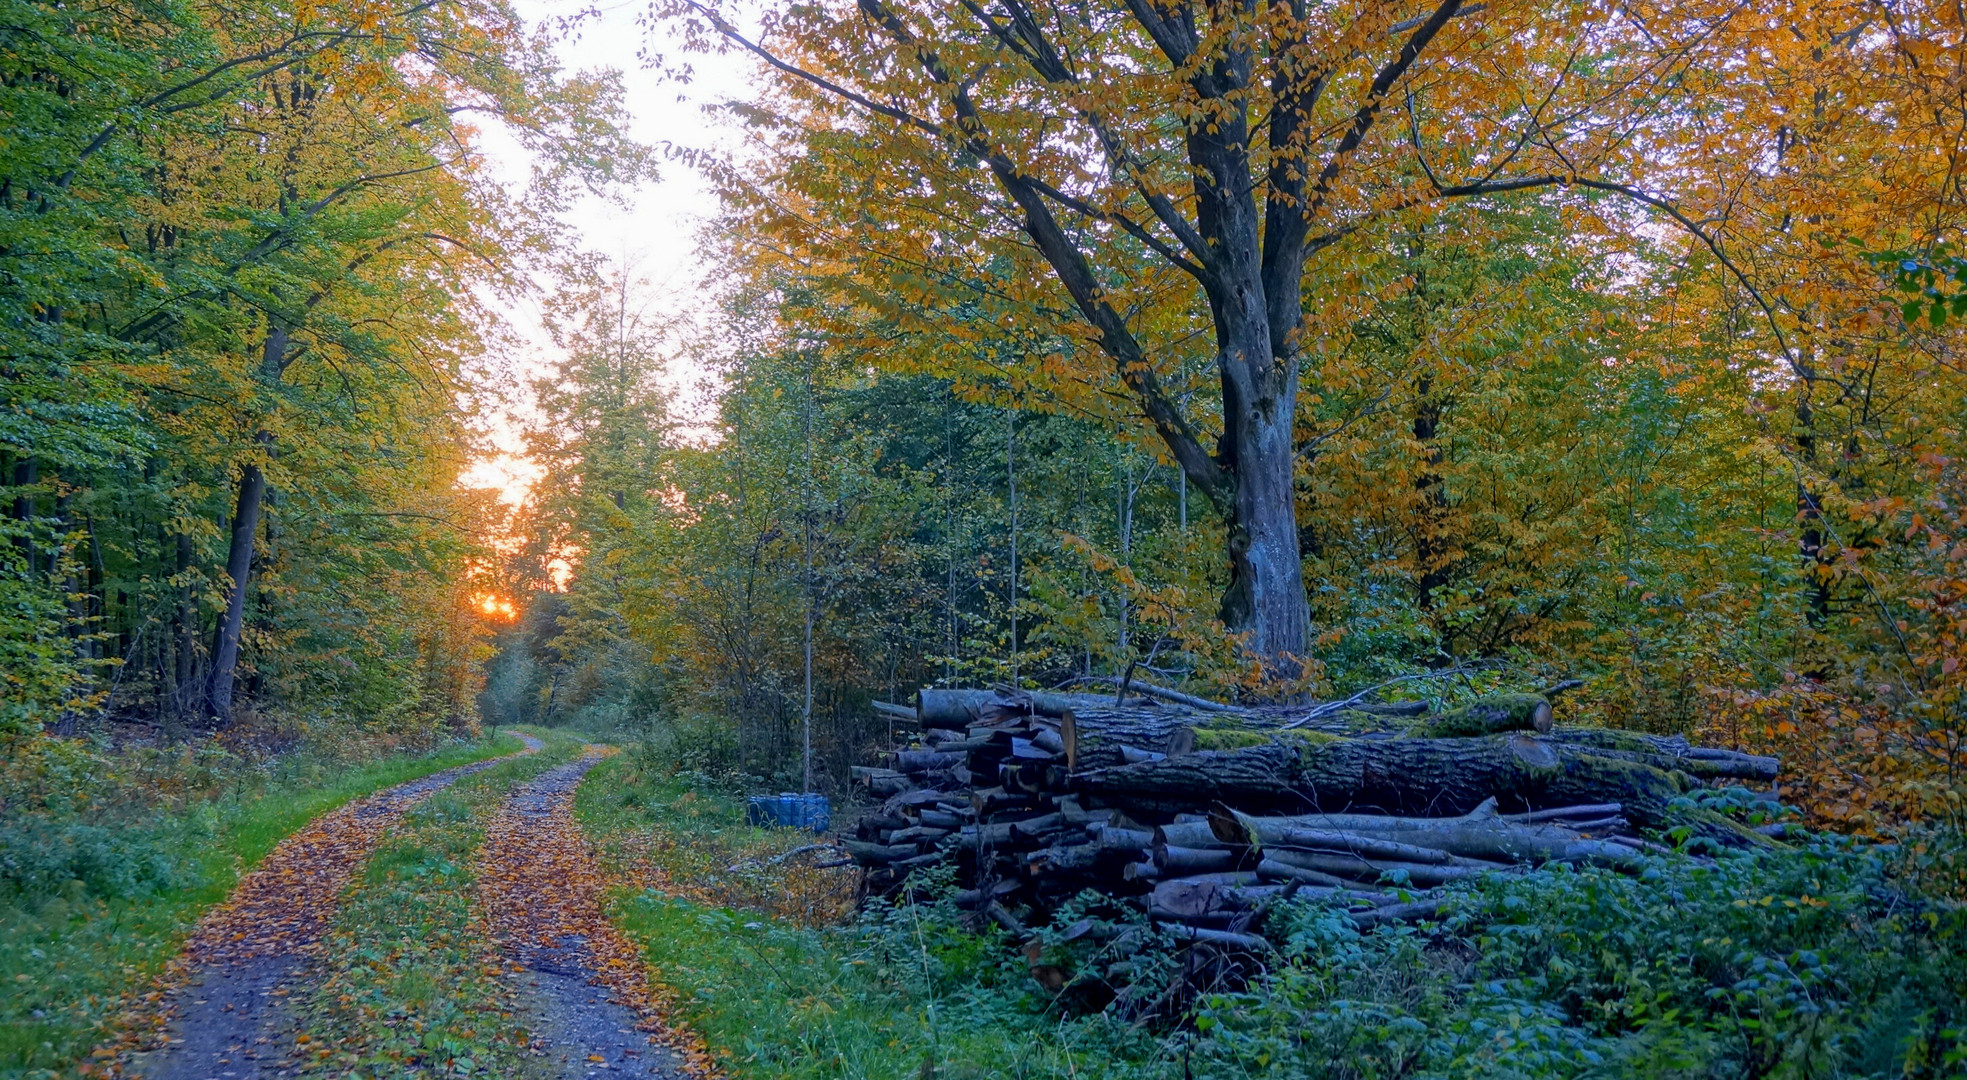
(1093, 737)
(1374, 870)
(951, 708)
(1350, 844)
(919, 761)
(1117, 839)
(1193, 834)
(897, 712)
(1392, 913)
(1672, 752)
(1135, 686)
(1490, 716)
(1272, 870)
(1177, 861)
(878, 854)
(1568, 814)
(1256, 777)
(1392, 776)
(1191, 901)
(1245, 942)
(1479, 834)
(961, 708)
(1064, 859)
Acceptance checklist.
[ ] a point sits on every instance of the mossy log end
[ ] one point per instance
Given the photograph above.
(1489, 716)
(1425, 777)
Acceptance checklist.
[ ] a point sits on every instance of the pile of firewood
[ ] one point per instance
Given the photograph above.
(1206, 814)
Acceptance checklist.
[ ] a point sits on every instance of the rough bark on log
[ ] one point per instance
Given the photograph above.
(1479, 834)
(1413, 912)
(1146, 689)
(878, 854)
(917, 761)
(1093, 737)
(1249, 942)
(951, 708)
(1259, 776)
(1490, 716)
(1174, 861)
(961, 708)
(1272, 870)
(1394, 776)
(1352, 844)
(1359, 868)
(1115, 838)
(1064, 859)
(1672, 752)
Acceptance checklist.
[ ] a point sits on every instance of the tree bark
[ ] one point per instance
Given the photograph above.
(1671, 752)
(239, 558)
(1491, 716)
(1393, 776)
(1479, 834)
(239, 568)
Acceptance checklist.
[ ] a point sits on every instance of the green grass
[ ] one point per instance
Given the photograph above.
(410, 986)
(68, 956)
(908, 993)
(1827, 960)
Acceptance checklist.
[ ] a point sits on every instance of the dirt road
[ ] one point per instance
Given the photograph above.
(225, 1014)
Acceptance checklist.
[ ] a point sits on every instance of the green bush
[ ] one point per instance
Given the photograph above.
(39, 858)
(1812, 962)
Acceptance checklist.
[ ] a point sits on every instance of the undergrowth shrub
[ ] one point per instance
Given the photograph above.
(1824, 956)
(1819, 961)
(115, 821)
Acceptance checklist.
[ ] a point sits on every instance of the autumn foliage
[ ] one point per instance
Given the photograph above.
(1626, 347)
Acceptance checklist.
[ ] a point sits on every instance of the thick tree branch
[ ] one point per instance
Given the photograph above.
(1071, 267)
(1369, 109)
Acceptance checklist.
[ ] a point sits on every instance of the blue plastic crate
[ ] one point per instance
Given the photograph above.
(790, 810)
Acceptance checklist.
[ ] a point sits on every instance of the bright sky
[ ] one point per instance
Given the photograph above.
(656, 234)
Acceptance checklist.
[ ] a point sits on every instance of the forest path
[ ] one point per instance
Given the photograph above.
(582, 984)
(226, 1016)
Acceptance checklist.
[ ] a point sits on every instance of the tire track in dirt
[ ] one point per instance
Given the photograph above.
(583, 985)
(222, 1013)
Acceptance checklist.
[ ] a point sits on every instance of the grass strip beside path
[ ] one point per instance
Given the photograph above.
(413, 979)
(68, 966)
(779, 995)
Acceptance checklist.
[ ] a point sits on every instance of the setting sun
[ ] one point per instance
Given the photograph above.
(493, 606)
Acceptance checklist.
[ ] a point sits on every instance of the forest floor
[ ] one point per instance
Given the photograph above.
(450, 925)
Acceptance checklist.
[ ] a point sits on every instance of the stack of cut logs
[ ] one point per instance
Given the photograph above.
(1207, 814)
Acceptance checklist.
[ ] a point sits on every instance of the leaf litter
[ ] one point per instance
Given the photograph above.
(218, 1008)
(543, 891)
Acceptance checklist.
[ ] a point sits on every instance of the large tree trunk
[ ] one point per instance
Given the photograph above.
(239, 568)
(1266, 592)
(239, 559)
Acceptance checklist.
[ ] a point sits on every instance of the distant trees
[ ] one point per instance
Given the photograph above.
(243, 247)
